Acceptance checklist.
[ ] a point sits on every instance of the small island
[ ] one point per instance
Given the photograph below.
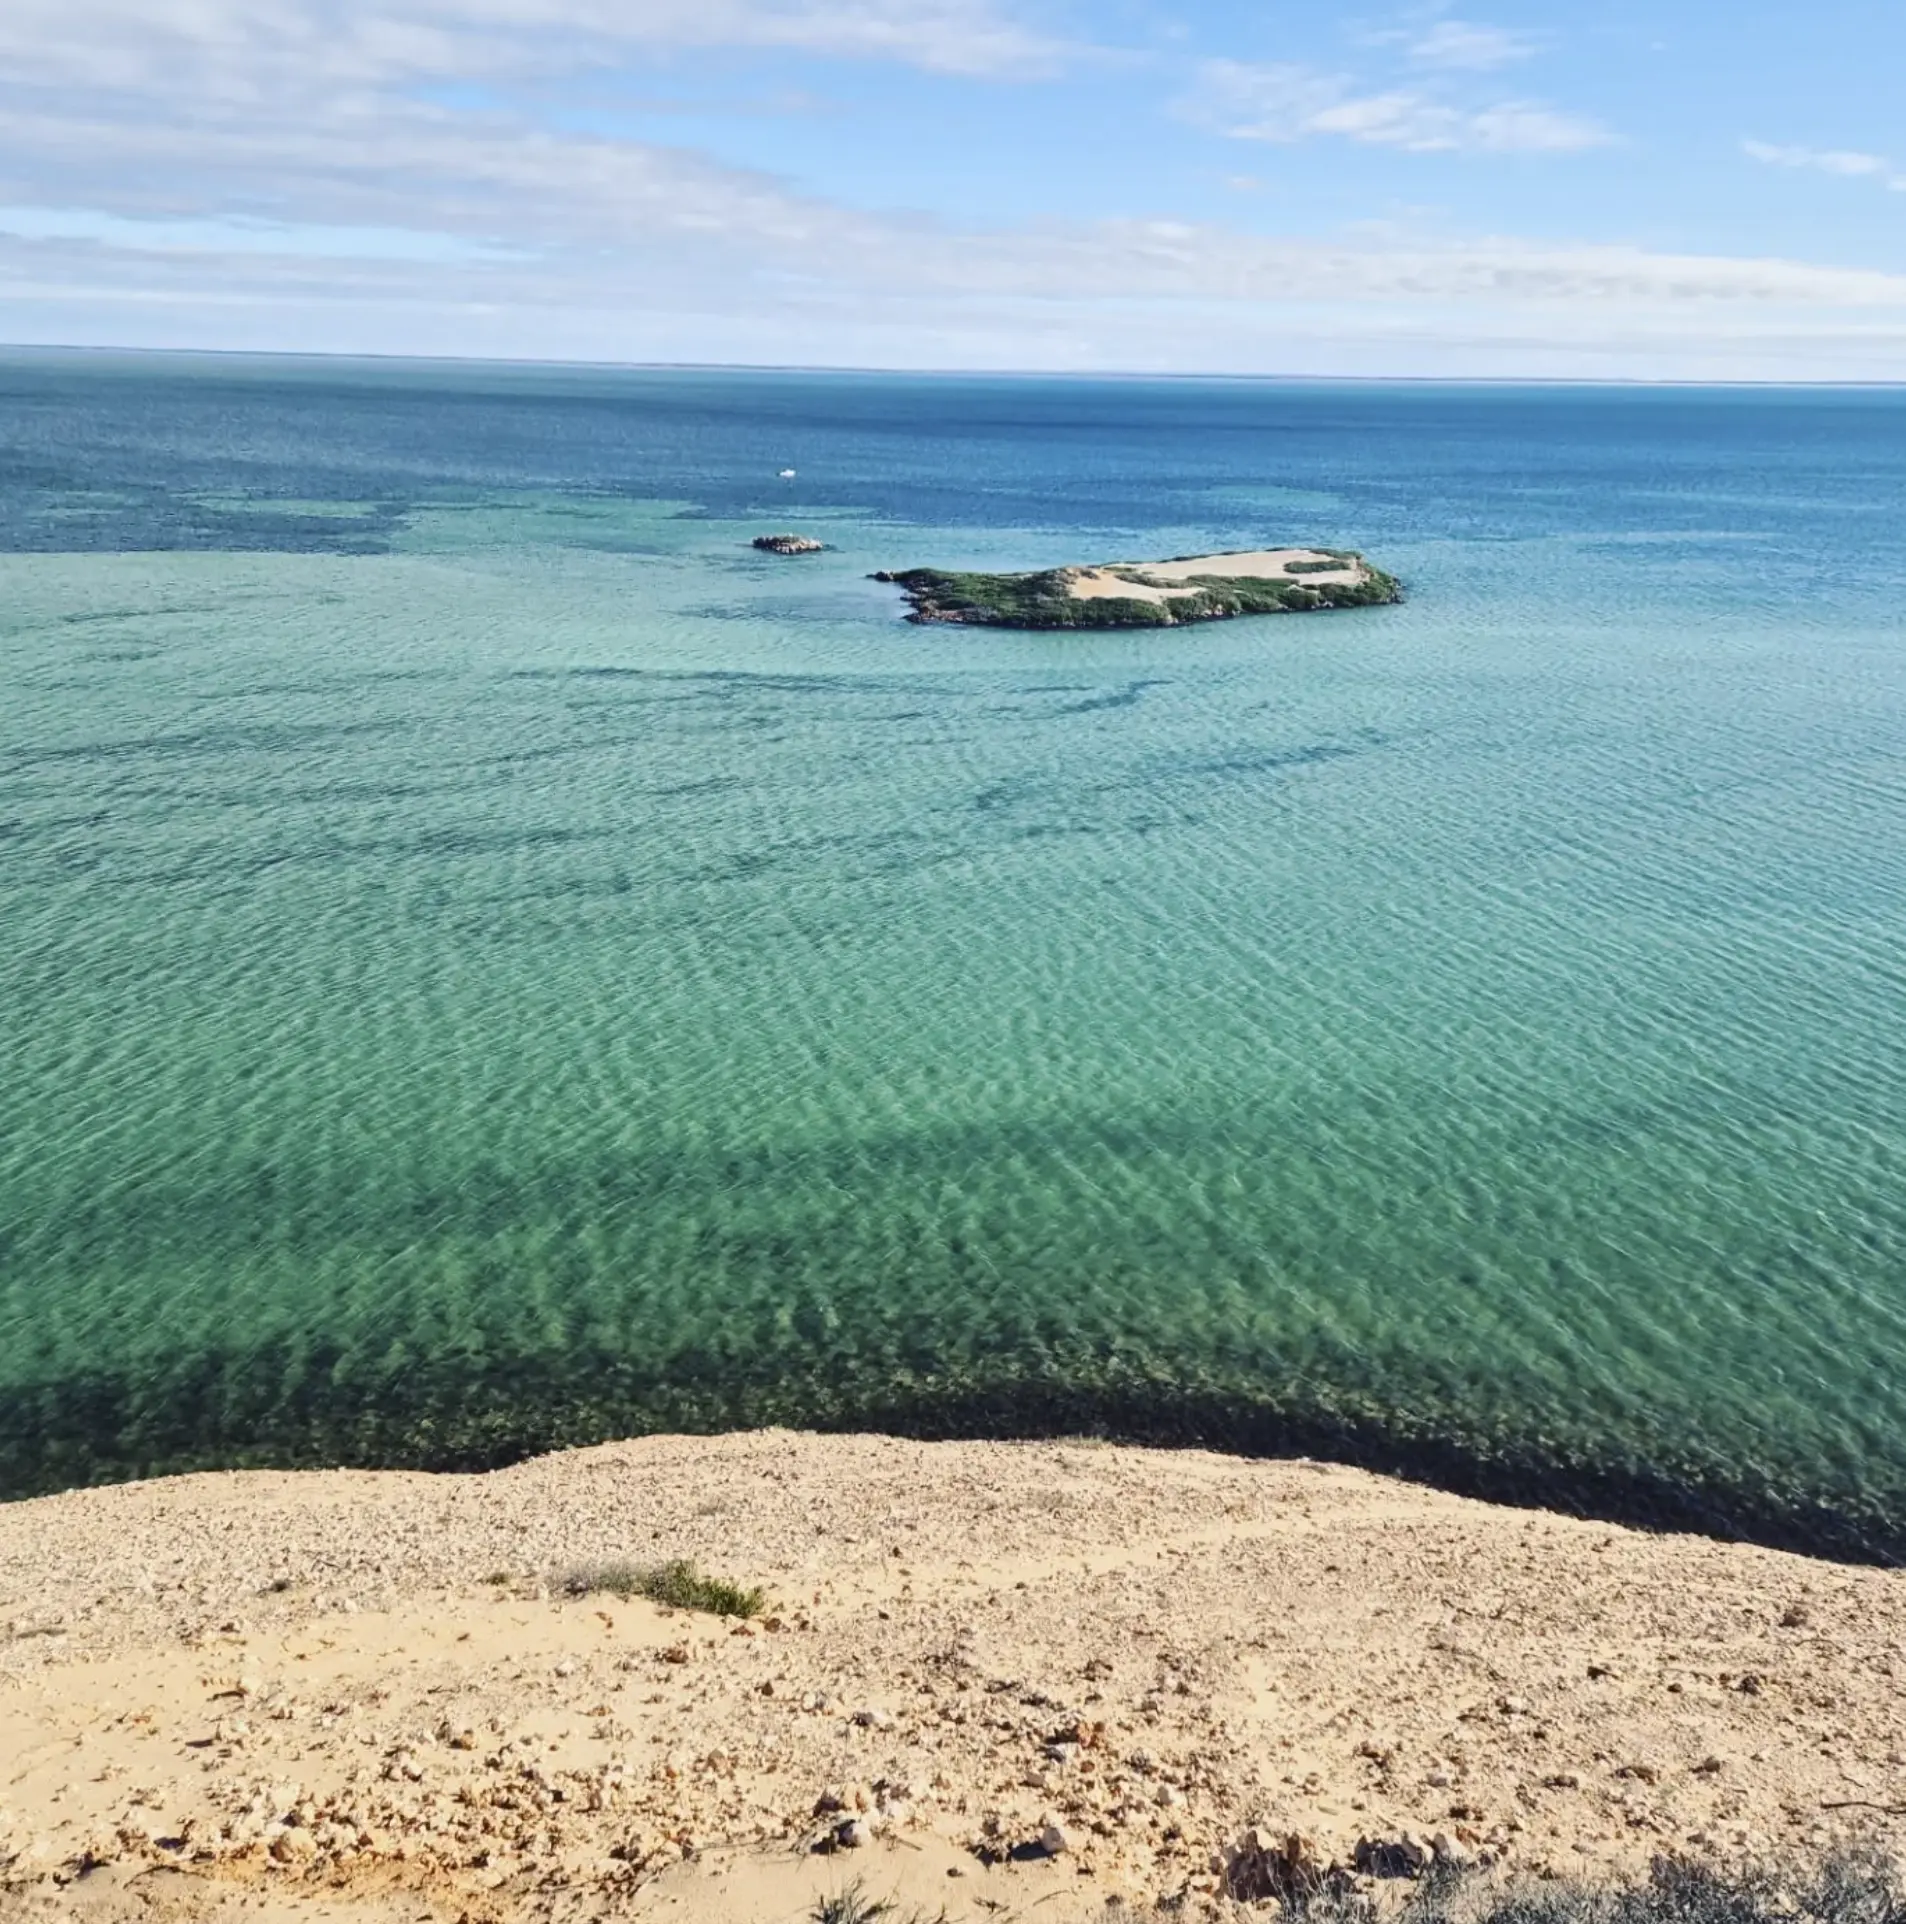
(1150, 594)
(787, 544)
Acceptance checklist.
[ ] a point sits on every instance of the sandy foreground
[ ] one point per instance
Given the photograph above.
(355, 1696)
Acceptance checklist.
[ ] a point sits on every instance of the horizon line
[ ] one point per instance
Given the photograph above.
(932, 373)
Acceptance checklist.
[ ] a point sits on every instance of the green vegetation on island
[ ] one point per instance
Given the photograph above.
(1149, 594)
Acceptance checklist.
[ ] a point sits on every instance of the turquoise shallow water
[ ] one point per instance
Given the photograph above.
(491, 961)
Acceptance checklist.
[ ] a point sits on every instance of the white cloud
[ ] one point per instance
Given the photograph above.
(311, 123)
(1162, 296)
(392, 164)
(1467, 45)
(1285, 102)
(287, 173)
(235, 49)
(1128, 257)
(1847, 164)
(1822, 160)
(838, 253)
(308, 241)
(324, 126)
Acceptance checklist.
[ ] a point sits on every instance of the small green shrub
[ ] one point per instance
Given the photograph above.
(677, 1584)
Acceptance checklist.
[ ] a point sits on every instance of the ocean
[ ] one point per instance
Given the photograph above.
(491, 962)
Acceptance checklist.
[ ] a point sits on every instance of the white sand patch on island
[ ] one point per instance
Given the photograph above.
(1105, 584)
(1256, 564)
(369, 1699)
(1150, 580)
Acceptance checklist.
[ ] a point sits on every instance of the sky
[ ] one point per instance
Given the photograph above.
(1638, 189)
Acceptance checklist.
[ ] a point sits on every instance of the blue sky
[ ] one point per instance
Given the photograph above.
(1681, 189)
